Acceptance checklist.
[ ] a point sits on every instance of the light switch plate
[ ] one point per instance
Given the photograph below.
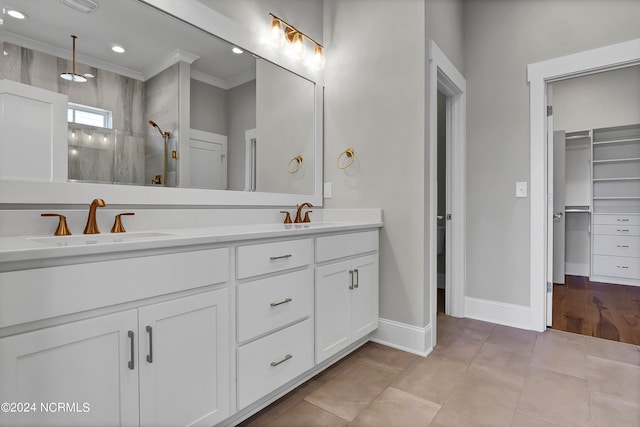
(327, 190)
(521, 189)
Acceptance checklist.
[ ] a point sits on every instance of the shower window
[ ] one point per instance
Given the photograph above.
(91, 116)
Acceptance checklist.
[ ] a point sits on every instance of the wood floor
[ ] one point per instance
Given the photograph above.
(597, 309)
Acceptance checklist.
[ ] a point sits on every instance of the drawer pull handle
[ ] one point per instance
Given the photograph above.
(287, 357)
(351, 279)
(356, 276)
(622, 266)
(275, 304)
(622, 219)
(150, 355)
(624, 230)
(273, 258)
(622, 246)
(131, 365)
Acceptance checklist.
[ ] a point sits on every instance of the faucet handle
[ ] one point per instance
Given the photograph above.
(62, 229)
(117, 225)
(306, 216)
(287, 218)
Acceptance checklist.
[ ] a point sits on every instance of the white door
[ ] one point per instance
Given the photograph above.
(184, 361)
(558, 206)
(333, 309)
(364, 296)
(207, 160)
(89, 365)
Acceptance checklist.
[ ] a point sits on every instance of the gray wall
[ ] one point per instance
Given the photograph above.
(500, 39)
(376, 102)
(208, 108)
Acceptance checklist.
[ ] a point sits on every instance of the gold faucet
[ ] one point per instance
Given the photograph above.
(92, 226)
(298, 219)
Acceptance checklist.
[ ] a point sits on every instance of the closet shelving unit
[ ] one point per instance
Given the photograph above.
(616, 205)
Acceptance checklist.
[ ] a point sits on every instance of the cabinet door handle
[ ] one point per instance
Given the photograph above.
(275, 304)
(287, 357)
(150, 355)
(350, 279)
(273, 258)
(622, 230)
(356, 278)
(622, 246)
(131, 365)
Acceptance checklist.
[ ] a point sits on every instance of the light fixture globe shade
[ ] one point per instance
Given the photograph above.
(277, 34)
(298, 49)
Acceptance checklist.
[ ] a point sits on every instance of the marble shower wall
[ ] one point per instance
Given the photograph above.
(124, 96)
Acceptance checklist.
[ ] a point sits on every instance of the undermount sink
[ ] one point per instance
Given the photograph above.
(93, 239)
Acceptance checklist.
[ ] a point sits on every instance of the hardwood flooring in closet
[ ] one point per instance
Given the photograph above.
(601, 310)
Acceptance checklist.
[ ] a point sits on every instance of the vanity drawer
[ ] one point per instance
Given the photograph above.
(616, 245)
(616, 266)
(344, 245)
(267, 304)
(617, 230)
(616, 219)
(266, 364)
(254, 260)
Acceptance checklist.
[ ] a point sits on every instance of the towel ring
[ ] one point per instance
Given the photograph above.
(348, 154)
(296, 166)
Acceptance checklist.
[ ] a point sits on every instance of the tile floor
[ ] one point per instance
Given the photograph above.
(479, 374)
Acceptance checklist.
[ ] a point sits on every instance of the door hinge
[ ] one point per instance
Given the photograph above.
(549, 110)
(549, 286)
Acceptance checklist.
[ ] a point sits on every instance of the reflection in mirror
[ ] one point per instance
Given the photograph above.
(224, 124)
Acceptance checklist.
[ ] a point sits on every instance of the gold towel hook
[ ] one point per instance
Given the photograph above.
(296, 167)
(349, 155)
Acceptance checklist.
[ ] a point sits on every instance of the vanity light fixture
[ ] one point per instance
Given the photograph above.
(295, 39)
(73, 76)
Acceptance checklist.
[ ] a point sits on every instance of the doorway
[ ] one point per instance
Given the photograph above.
(445, 79)
(442, 206)
(594, 148)
(539, 75)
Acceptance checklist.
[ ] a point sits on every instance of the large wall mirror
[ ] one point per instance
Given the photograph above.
(180, 117)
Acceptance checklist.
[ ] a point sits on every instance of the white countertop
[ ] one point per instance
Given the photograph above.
(33, 248)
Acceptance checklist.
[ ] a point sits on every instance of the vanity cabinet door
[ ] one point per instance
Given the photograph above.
(346, 304)
(76, 374)
(364, 297)
(184, 361)
(333, 309)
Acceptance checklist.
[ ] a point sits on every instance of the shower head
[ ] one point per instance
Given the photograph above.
(155, 125)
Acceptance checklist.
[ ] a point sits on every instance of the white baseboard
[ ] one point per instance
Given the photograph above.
(576, 269)
(501, 313)
(409, 338)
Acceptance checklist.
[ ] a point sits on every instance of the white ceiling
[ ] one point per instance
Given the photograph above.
(153, 40)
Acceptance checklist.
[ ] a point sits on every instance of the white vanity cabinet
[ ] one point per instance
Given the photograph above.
(275, 316)
(346, 291)
(80, 363)
(162, 361)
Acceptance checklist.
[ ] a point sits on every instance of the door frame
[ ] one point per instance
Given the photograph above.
(444, 76)
(539, 74)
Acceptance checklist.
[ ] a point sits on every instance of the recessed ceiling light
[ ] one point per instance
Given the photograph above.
(85, 6)
(117, 49)
(16, 14)
(236, 50)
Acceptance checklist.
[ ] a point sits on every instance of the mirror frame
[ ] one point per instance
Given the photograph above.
(213, 22)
